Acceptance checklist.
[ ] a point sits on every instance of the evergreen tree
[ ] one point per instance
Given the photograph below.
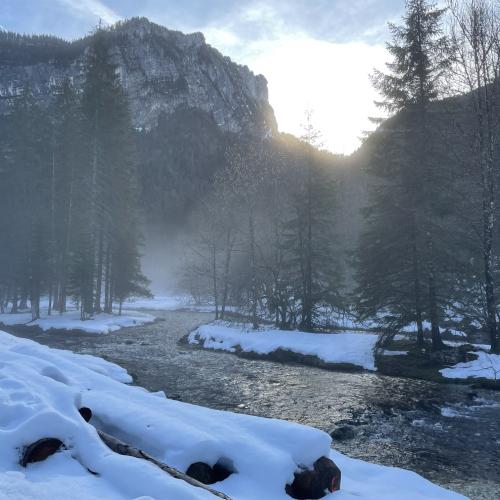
(310, 233)
(112, 182)
(408, 192)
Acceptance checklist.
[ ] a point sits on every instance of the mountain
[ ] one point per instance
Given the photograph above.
(189, 105)
(161, 70)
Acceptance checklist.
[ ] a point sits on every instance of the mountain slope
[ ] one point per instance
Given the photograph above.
(160, 70)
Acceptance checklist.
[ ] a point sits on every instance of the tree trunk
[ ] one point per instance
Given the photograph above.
(227, 266)
(214, 281)
(437, 342)
(98, 285)
(108, 308)
(418, 297)
(253, 268)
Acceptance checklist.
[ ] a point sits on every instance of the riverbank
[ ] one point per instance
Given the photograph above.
(71, 322)
(460, 362)
(352, 351)
(43, 389)
(441, 431)
(339, 351)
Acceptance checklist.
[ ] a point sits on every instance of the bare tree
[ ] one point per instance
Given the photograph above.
(475, 34)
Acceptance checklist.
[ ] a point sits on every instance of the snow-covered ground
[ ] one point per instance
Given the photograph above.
(160, 303)
(485, 366)
(41, 390)
(172, 303)
(100, 323)
(353, 348)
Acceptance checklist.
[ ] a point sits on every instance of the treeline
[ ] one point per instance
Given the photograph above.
(266, 239)
(19, 50)
(69, 197)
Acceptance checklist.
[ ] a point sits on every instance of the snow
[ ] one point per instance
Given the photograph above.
(100, 323)
(353, 348)
(171, 303)
(485, 366)
(159, 303)
(41, 390)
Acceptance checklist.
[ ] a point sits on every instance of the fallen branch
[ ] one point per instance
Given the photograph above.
(124, 449)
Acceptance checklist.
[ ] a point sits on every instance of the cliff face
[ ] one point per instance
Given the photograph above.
(161, 70)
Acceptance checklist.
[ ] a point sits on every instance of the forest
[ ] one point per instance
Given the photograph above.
(69, 197)
(427, 254)
(261, 215)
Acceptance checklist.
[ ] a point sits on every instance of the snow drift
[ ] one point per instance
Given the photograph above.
(41, 390)
(353, 348)
(100, 323)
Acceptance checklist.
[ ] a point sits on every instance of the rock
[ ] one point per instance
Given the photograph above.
(343, 433)
(40, 450)
(317, 482)
(206, 474)
(86, 413)
(202, 472)
(161, 71)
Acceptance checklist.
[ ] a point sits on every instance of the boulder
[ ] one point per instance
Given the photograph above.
(207, 474)
(40, 450)
(343, 433)
(317, 482)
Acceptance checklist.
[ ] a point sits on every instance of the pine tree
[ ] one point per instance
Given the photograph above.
(310, 238)
(114, 259)
(404, 220)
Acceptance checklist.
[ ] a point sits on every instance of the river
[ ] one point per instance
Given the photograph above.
(448, 433)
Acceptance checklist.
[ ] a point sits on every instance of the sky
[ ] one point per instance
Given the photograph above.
(316, 54)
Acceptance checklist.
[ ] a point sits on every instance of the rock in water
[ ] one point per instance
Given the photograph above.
(317, 482)
(343, 433)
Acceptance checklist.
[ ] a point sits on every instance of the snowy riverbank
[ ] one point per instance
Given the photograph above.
(485, 366)
(353, 348)
(41, 390)
(99, 324)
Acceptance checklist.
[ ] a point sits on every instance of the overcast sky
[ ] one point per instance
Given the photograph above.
(315, 54)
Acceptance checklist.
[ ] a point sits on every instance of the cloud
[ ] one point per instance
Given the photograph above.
(92, 8)
(306, 72)
(332, 79)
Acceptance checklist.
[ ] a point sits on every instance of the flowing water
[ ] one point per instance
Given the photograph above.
(448, 433)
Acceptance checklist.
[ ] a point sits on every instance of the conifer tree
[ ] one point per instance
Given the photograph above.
(407, 192)
(310, 233)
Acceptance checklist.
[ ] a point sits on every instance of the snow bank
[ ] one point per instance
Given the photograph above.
(159, 303)
(353, 348)
(485, 366)
(171, 303)
(41, 390)
(100, 323)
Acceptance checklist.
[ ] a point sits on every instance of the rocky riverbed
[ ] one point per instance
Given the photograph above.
(448, 433)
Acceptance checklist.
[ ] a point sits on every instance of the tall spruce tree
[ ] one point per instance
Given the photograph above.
(114, 240)
(399, 254)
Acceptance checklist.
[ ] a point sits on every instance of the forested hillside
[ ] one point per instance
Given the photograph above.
(400, 233)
